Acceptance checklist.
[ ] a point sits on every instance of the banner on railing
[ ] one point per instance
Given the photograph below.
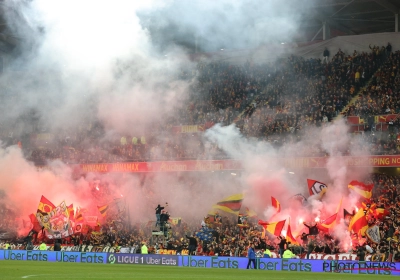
(232, 165)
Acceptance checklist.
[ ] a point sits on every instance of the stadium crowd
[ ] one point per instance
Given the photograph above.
(232, 236)
(275, 103)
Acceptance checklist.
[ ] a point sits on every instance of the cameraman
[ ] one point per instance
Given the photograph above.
(164, 217)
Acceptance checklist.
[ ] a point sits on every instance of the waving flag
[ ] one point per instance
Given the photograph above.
(381, 213)
(250, 213)
(71, 212)
(289, 236)
(361, 189)
(273, 228)
(36, 225)
(315, 187)
(330, 222)
(205, 234)
(43, 212)
(347, 216)
(103, 209)
(45, 206)
(231, 204)
(276, 204)
(327, 224)
(359, 223)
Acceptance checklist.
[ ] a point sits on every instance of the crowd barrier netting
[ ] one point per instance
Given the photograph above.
(270, 264)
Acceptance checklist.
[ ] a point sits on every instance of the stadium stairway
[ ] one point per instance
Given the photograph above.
(357, 95)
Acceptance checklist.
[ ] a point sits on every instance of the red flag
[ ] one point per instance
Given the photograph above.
(276, 204)
(36, 226)
(361, 189)
(315, 187)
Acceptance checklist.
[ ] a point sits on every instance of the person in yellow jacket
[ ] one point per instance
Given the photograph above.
(43, 247)
(7, 246)
(288, 254)
(267, 253)
(144, 250)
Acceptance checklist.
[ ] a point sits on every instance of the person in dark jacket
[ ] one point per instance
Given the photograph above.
(158, 213)
(361, 254)
(57, 245)
(164, 217)
(251, 255)
(192, 244)
(326, 56)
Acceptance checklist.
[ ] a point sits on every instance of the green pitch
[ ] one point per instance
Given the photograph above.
(43, 271)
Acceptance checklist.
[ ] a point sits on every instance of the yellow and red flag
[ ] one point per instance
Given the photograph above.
(276, 204)
(289, 236)
(381, 213)
(71, 212)
(328, 223)
(45, 205)
(361, 189)
(273, 228)
(359, 223)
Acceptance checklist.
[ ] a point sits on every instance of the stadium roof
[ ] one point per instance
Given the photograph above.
(351, 17)
(341, 17)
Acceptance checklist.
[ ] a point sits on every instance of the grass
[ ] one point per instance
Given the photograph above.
(45, 270)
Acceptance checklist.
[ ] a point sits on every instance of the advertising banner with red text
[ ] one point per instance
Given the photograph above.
(232, 165)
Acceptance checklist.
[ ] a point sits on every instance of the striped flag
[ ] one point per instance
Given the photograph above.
(361, 189)
(359, 223)
(103, 209)
(276, 204)
(231, 204)
(273, 228)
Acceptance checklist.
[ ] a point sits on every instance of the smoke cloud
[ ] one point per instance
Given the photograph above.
(119, 64)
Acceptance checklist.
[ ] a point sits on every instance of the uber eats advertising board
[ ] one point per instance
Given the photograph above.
(295, 265)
